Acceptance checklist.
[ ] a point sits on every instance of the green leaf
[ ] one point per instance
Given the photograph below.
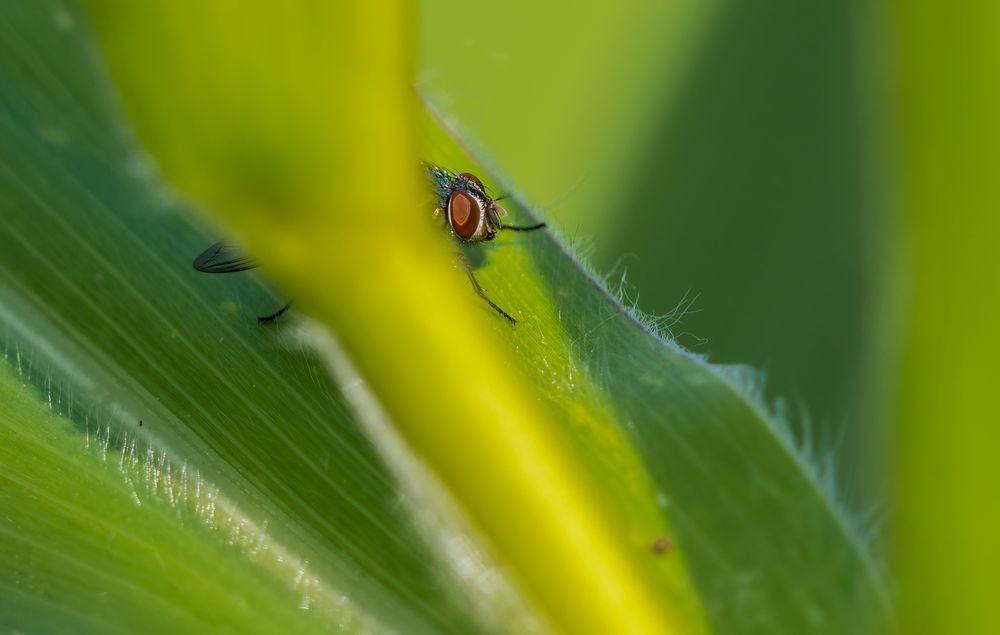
(755, 512)
(103, 533)
(461, 475)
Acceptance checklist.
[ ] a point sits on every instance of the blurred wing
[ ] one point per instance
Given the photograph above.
(222, 258)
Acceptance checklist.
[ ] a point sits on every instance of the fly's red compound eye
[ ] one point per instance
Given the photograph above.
(472, 177)
(465, 214)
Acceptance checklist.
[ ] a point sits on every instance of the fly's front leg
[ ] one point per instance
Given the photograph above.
(523, 228)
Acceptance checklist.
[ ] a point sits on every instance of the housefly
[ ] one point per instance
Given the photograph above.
(465, 208)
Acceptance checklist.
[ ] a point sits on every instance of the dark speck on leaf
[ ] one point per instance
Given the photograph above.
(661, 545)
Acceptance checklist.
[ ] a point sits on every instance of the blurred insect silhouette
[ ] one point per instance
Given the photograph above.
(469, 213)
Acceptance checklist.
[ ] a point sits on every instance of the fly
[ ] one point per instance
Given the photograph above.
(469, 213)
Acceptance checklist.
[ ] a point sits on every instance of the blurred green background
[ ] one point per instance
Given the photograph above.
(727, 170)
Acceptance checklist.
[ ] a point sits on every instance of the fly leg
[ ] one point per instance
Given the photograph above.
(479, 289)
(267, 319)
(523, 228)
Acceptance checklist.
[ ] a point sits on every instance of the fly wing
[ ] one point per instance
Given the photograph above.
(222, 258)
